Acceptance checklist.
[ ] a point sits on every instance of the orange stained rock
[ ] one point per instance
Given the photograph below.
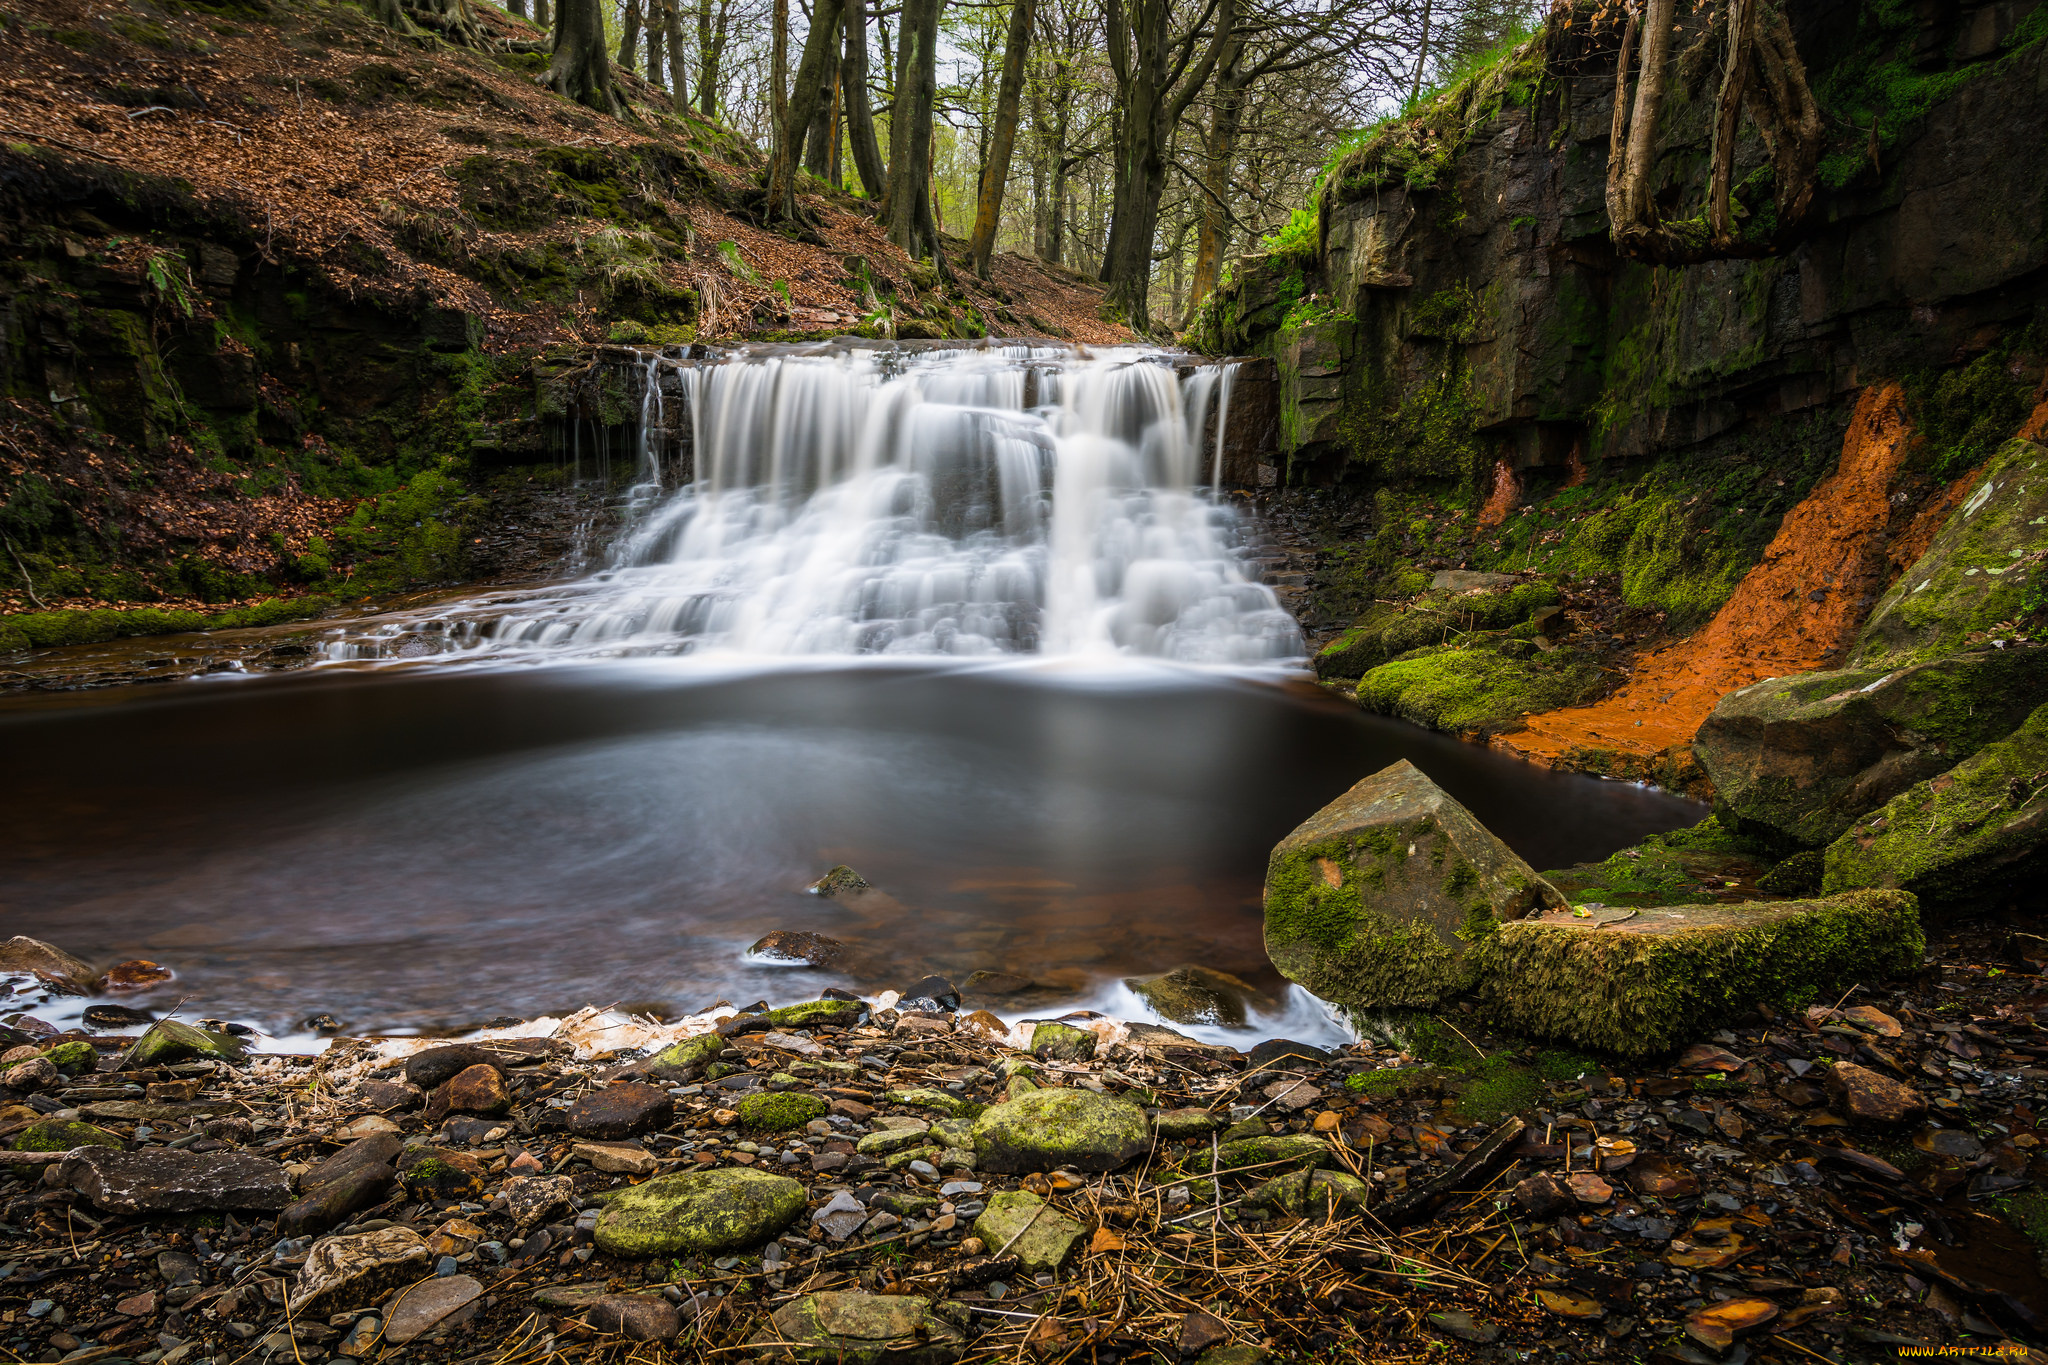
(1796, 611)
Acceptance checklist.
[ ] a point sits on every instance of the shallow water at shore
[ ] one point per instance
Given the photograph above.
(435, 849)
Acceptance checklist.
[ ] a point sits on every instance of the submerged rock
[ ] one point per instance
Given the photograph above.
(137, 975)
(1670, 974)
(32, 956)
(1047, 1129)
(1376, 900)
(838, 882)
(1196, 995)
(1963, 837)
(787, 945)
(698, 1212)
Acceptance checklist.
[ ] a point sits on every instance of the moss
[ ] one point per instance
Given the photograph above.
(89, 626)
(2028, 1212)
(1380, 959)
(685, 1057)
(779, 1113)
(1476, 690)
(1964, 413)
(74, 1058)
(819, 1014)
(698, 1213)
(61, 1135)
(1677, 973)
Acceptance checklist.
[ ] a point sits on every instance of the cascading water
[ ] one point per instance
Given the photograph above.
(856, 501)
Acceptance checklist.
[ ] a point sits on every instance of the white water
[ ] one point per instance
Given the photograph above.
(1004, 500)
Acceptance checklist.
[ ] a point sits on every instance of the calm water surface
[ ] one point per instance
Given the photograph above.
(437, 848)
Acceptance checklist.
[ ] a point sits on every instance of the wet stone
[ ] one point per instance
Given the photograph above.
(436, 1066)
(160, 1180)
(621, 1111)
(427, 1305)
(636, 1317)
(784, 945)
(478, 1089)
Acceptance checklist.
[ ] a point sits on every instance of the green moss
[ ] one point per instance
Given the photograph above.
(819, 1014)
(61, 1135)
(74, 1058)
(1468, 690)
(88, 626)
(2028, 1212)
(687, 1056)
(779, 1113)
(1964, 413)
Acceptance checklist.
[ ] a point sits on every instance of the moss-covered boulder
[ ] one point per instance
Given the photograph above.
(683, 1061)
(60, 1135)
(73, 1058)
(1961, 838)
(1315, 1194)
(1978, 573)
(818, 1014)
(698, 1212)
(1480, 690)
(1195, 995)
(1804, 756)
(1038, 1236)
(859, 1329)
(1376, 899)
(1047, 1129)
(773, 1113)
(1446, 614)
(1665, 976)
(168, 1041)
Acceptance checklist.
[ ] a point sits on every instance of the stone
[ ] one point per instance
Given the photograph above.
(1162, 1044)
(439, 1173)
(1806, 756)
(62, 1135)
(531, 1200)
(1055, 1042)
(388, 1097)
(986, 984)
(1199, 1331)
(891, 1140)
(1304, 1149)
(139, 974)
(36, 1073)
(436, 1066)
(779, 1113)
(1862, 1095)
(116, 1016)
(424, 1306)
(1313, 1194)
(1469, 580)
(841, 1216)
(342, 1274)
(355, 1130)
(624, 1110)
(31, 956)
(1458, 1323)
(160, 1180)
(1543, 1196)
(617, 1158)
(683, 1061)
(784, 945)
(1291, 1096)
(1173, 1125)
(860, 1329)
(74, 1058)
(1286, 1055)
(840, 881)
(167, 1041)
(354, 1178)
(636, 1317)
(477, 1089)
(934, 993)
(1588, 1188)
(1377, 900)
(988, 1027)
(1019, 1223)
(1967, 838)
(1651, 983)
(1195, 995)
(698, 1212)
(1048, 1129)
(361, 1339)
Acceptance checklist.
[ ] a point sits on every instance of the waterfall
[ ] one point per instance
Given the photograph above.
(857, 500)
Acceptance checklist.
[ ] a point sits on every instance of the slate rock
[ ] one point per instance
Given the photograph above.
(1048, 1129)
(1199, 1331)
(623, 1110)
(389, 1097)
(698, 1212)
(342, 1274)
(1862, 1095)
(617, 1158)
(426, 1305)
(636, 1317)
(159, 1180)
(1019, 1223)
(333, 1203)
(861, 1329)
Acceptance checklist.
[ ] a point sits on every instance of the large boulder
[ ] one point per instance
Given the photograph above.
(1976, 574)
(1046, 1129)
(695, 1213)
(1377, 898)
(1664, 976)
(1960, 838)
(1804, 756)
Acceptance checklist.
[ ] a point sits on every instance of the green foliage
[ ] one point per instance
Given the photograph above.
(1964, 413)
(49, 629)
(1299, 237)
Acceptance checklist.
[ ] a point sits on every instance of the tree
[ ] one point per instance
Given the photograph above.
(821, 135)
(1159, 71)
(908, 207)
(1763, 73)
(860, 119)
(995, 172)
(678, 62)
(580, 70)
(812, 90)
(455, 21)
(1212, 225)
(714, 32)
(629, 34)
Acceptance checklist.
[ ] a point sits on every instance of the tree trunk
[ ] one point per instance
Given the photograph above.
(1421, 55)
(629, 34)
(988, 208)
(678, 61)
(811, 92)
(778, 64)
(818, 134)
(1212, 223)
(909, 210)
(711, 42)
(543, 14)
(516, 8)
(860, 119)
(580, 70)
(1741, 30)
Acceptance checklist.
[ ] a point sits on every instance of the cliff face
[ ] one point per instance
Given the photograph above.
(1462, 303)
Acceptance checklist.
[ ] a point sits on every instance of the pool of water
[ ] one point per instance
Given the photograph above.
(432, 849)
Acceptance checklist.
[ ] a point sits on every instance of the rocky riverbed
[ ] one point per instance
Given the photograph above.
(909, 1178)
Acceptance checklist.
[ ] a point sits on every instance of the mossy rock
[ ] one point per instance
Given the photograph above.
(819, 1014)
(1376, 900)
(1670, 975)
(859, 1329)
(1442, 616)
(1062, 1043)
(1196, 995)
(437, 1173)
(1304, 1150)
(923, 1097)
(1477, 690)
(75, 1058)
(60, 1135)
(779, 1113)
(168, 1041)
(1960, 839)
(1312, 1194)
(1047, 1129)
(1805, 756)
(1979, 572)
(1040, 1238)
(681, 1061)
(696, 1213)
